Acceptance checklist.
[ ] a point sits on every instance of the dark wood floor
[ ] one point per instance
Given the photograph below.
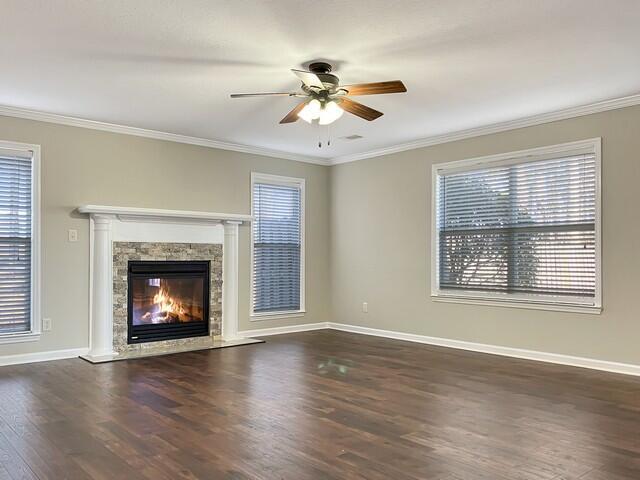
(318, 405)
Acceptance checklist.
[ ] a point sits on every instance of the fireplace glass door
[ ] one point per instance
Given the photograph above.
(167, 300)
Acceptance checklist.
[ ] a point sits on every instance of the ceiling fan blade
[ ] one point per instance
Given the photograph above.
(394, 86)
(292, 116)
(242, 95)
(359, 109)
(311, 80)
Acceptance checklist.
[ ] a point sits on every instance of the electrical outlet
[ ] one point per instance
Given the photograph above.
(73, 235)
(365, 307)
(46, 324)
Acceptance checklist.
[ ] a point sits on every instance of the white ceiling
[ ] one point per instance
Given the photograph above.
(171, 65)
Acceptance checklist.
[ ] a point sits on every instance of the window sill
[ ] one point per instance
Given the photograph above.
(256, 317)
(531, 305)
(19, 337)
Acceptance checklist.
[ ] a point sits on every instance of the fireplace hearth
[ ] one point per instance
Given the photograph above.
(167, 300)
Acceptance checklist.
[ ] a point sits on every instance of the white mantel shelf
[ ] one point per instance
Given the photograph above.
(158, 215)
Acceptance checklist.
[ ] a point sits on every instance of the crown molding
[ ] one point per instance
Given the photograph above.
(563, 114)
(539, 119)
(18, 112)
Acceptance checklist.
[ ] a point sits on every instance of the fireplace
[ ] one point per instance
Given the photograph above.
(167, 300)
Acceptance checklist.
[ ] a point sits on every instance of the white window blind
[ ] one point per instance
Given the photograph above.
(524, 229)
(277, 247)
(15, 243)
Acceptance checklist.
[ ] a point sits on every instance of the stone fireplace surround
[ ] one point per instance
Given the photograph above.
(123, 252)
(165, 234)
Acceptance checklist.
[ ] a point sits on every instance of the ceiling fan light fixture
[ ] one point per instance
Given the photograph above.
(330, 113)
(311, 111)
(325, 99)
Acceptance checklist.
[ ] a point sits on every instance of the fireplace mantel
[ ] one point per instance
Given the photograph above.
(164, 216)
(102, 232)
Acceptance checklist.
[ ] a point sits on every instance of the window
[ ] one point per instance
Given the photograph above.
(521, 229)
(277, 245)
(19, 191)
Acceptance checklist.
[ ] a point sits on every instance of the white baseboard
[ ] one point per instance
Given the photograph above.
(77, 352)
(615, 367)
(264, 332)
(591, 363)
(594, 364)
(42, 356)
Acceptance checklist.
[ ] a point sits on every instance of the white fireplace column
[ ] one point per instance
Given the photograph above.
(230, 281)
(101, 326)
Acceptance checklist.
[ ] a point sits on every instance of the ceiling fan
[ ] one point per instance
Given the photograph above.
(326, 100)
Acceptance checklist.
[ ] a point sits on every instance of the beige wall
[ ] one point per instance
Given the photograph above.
(367, 231)
(380, 244)
(82, 166)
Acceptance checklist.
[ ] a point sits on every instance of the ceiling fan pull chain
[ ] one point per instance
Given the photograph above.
(328, 135)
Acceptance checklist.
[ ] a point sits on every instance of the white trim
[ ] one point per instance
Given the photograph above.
(289, 182)
(35, 328)
(556, 358)
(538, 302)
(129, 214)
(39, 116)
(101, 285)
(230, 293)
(19, 338)
(41, 356)
(260, 317)
(598, 222)
(530, 121)
(36, 244)
(591, 363)
(563, 114)
(560, 359)
(168, 232)
(526, 304)
(589, 145)
(265, 332)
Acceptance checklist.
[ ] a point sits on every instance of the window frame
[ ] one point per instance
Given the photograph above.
(257, 177)
(529, 301)
(35, 330)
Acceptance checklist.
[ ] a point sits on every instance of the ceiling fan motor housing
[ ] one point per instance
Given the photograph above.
(320, 67)
(323, 71)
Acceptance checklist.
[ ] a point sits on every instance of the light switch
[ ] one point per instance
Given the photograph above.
(73, 235)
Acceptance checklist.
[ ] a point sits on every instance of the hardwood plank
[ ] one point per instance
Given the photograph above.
(13, 466)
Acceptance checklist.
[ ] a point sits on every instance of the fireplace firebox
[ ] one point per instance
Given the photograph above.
(167, 300)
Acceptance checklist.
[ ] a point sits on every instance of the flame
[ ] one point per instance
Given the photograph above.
(166, 304)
